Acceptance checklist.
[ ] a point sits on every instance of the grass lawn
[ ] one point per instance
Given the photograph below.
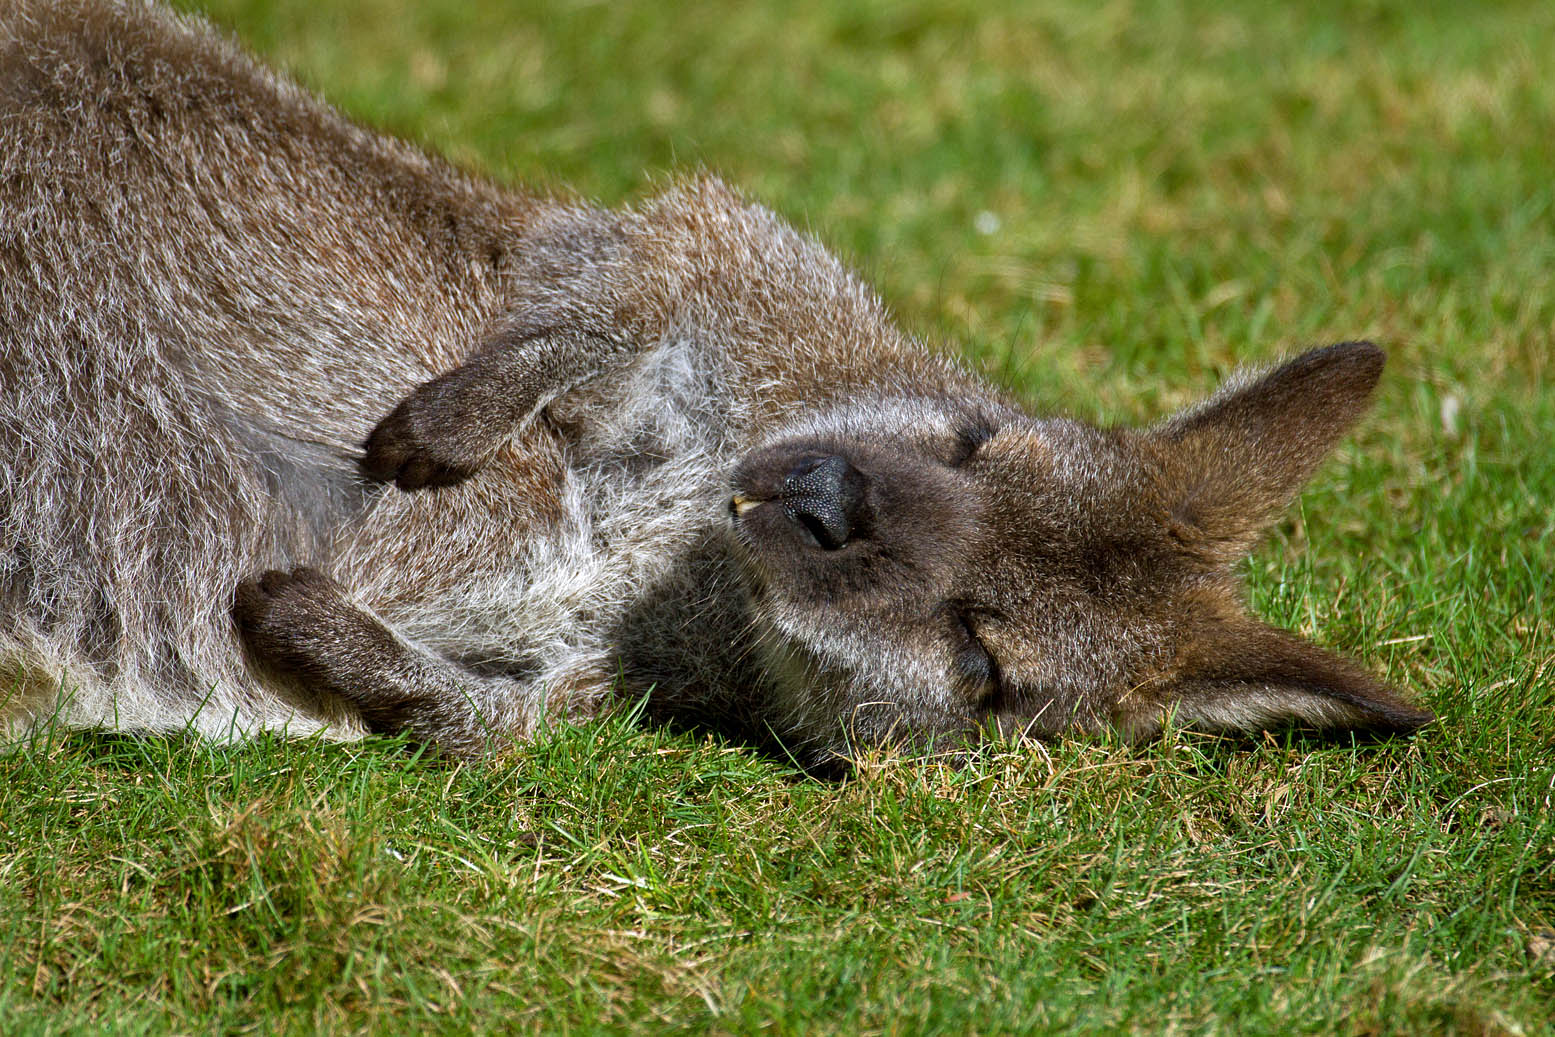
(1108, 205)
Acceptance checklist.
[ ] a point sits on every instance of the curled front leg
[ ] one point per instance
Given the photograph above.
(449, 428)
(303, 624)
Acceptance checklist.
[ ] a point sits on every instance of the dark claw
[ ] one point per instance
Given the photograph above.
(390, 446)
(395, 453)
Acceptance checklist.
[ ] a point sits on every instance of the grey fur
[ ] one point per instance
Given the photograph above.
(675, 447)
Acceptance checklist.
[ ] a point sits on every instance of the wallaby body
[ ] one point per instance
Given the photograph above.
(675, 448)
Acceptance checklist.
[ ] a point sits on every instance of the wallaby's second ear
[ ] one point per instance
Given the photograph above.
(1243, 675)
(1235, 461)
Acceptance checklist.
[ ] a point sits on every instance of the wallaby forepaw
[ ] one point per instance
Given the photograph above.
(299, 620)
(400, 451)
(304, 624)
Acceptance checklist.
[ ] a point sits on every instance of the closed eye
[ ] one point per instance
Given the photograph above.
(975, 666)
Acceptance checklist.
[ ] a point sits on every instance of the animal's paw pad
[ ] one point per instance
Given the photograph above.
(275, 592)
(294, 619)
(399, 451)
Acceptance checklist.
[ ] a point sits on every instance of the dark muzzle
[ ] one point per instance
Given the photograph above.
(824, 495)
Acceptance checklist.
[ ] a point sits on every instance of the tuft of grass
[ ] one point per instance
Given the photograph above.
(616, 878)
(1107, 207)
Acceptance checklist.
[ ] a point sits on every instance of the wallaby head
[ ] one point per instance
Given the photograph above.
(950, 565)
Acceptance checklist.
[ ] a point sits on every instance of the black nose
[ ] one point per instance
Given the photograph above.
(825, 495)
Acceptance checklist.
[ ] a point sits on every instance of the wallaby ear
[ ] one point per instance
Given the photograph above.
(1234, 462)
(1244, 675)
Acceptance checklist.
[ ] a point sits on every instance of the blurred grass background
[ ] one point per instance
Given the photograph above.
(1108, 206)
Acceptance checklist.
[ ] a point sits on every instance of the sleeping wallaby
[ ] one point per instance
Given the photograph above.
(303, 429)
